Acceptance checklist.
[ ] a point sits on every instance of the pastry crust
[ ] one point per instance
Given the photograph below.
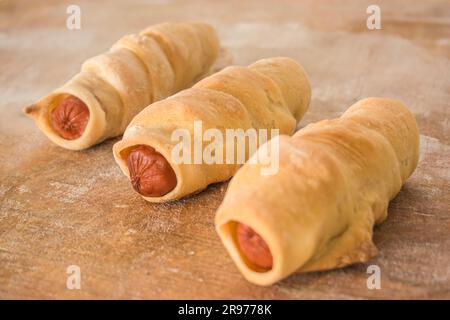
(138, 70)
(257, 96)
(335, 181)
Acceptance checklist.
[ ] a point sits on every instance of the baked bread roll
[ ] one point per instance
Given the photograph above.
(100, 101)
(269, 94)
(334, 183)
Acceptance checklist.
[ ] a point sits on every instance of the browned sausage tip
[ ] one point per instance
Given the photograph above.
(150, 173)
(70, 118)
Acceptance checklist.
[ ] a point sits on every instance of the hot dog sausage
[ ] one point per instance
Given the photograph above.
(253, 246)
(150, 173)
(70, 118)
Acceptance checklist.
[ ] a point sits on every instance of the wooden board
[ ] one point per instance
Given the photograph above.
(61, 208)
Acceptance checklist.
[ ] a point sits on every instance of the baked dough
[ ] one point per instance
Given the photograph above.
(335, 180)
(138, 70)
(269, 94)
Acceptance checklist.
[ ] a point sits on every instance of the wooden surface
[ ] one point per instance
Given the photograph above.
(61, 208)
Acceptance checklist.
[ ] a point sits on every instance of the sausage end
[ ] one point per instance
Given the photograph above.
(70, 118)
(150, 173)
(253, 247)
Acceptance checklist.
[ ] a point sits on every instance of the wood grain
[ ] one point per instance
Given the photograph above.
(59, 208)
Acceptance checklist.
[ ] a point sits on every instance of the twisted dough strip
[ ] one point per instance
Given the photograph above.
(100, 101)
(269, 94)
(335, 181)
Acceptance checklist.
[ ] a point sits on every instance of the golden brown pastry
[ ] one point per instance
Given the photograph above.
(100, 101)
(269, 94)
(335, 180)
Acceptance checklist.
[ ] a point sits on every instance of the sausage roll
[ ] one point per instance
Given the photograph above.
(334, 183)
(111, 88)
(269, 94)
